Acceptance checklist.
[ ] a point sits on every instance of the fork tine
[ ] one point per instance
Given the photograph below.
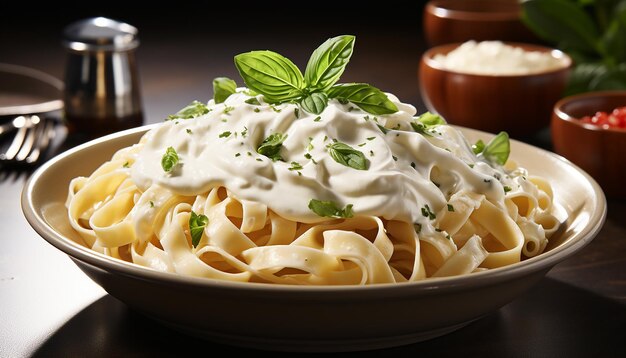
(43, 140)
(15, 145)
(29, 142)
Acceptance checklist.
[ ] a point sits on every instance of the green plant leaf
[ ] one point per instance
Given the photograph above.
(223, 87)
(478, 147)
(368, 98)
(348, 156)
(426, 121)
(582, 76)
(270, 147)
(330, 209)
(498, 149)
(197, 223)
(614, 38)
(169, 159)
(315, 102)
(612, 79)
(562, 22)
(270, 74)
(328, 62)
(192, 110)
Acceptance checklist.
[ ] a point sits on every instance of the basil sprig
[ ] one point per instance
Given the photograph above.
(270, 147)
(348, 156)
(496, 151)
(279, 80)
(169, 159)
(192, 110)
(197, 223)
(330, 209)
(223, 87)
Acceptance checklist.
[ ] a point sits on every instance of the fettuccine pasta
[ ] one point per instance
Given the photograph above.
(418, 202)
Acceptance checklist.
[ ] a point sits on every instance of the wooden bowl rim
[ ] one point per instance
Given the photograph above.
(442, 9)
(562, 115)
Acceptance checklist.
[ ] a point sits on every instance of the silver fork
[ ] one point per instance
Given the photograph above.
(30, 142)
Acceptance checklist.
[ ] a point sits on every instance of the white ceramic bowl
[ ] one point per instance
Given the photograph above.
(331, 318)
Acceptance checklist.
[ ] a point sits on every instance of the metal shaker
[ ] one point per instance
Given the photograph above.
(102, 93)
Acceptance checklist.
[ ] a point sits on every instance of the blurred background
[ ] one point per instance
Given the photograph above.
(186, 44)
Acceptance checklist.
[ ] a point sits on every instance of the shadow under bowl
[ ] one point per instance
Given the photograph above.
(598, 151)
(450, 21)
(518, 104)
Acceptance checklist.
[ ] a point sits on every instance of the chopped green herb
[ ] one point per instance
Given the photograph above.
(362, 144)
(325, 139)
(249, 154)
(394, 158)
(371, 138)
(507, 189)
(197, 223)
(371, 153)
(188, 131)
(224, 120)
(296, 112)
(348, 156)
(487, 180)
(478, 147)
(270, 147)
(417, 227)
(151, 204)
(192, 110)
(253, 101)
(330, 209)
(237, 154)
(228, 109)
(413, 165)
(259, 159)
(428, 213)
(295, 166)
(277, 110)
(450, 208)
(383, 129)
(257, 110)
(225, 134)
(244, 132)
(310, 146)
(169, 159)
(471, 165)
(317, 119)
(126, 165)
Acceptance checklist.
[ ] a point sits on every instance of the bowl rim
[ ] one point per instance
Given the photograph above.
(441, 9)
(87, 256)
(567, 62)
(562, 115)
(45, 79)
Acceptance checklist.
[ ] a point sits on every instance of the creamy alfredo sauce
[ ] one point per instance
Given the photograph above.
(406, 170)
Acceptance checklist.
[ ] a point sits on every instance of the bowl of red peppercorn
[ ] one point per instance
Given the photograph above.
(589, 129)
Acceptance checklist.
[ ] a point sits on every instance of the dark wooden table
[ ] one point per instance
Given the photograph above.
(48, 308)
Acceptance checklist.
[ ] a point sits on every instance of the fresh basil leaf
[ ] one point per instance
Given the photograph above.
(223, 87)
(314, 103)
(330, 209)
(169, 159)
(192, 110)
(498, 149)
(426, 121)
(368, 98)
(348, 156)
(197, 223)
(328, 62)
(478, 147)
(270, 74)
(270, 147)
(562, 22)
(430, 119)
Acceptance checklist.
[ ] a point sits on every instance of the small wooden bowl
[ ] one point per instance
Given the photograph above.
(518, 104)
(449, 21)
(600, 152)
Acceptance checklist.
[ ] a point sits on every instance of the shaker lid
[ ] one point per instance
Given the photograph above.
(100, 34)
